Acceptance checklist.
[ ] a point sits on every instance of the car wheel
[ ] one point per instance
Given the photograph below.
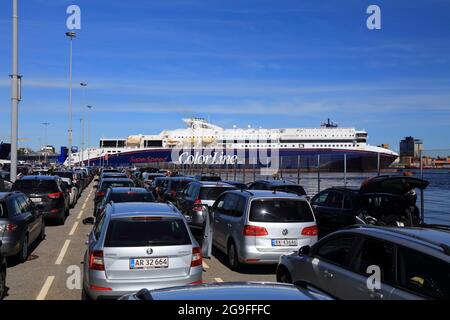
(62, 218)
(85, 295)
(233, 259)
(23, 254)
(2, 283)
(283, 275)
(42, 234)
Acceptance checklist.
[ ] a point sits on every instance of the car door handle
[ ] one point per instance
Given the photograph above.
(327, 274)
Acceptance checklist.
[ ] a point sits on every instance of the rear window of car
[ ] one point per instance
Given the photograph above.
(210, 178)
(138, 233)
(292, 189)
(132, 197)
(116, 184)
(280, 210)
(212, 193)
(36, 185)
(179, 184)
(63, 174)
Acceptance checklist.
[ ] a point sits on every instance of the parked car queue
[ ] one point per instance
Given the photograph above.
(32, 202)
(278, 225)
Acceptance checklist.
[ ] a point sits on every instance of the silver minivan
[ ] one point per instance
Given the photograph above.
(139, 245)
(257, 227)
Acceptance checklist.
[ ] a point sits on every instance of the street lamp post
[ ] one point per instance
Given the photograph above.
(15, 90)
(71, 35)
(83, 86)
(89, 134)
(45, 139)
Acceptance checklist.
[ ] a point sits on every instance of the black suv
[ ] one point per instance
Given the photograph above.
(173, 185)
(383, 200)
(278, 185)
(48, 194)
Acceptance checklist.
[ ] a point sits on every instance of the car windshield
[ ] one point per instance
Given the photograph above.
(116, 184)
(280, 210)
(132, 197)
(212, 193)
(35, 185)
(292, 189)
(136, 232)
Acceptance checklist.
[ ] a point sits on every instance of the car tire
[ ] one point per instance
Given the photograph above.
(85, 295)
(283, 275)
(22, 256)
(42, 234)
(233, 258)
(62, 219)
(2, 283)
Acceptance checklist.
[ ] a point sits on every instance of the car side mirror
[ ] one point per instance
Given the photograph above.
(89, 220)
(304, 251)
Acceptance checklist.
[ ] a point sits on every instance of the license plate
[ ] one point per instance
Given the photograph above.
(149, 263)
(36, 199)
(284, 242)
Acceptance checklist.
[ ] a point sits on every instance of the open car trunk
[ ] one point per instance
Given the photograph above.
(398, 185)
(390, 200)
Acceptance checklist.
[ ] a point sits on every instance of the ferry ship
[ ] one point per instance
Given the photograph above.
(204, 143)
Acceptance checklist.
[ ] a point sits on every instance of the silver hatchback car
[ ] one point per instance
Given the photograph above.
(139, 245)
(257, 227)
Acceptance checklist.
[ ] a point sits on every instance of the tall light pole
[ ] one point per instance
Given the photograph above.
(89, 134)
(15, 90)
(83, 86)
(71, 35)
(45, 139)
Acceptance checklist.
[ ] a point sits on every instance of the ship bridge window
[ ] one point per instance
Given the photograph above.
(152, 143)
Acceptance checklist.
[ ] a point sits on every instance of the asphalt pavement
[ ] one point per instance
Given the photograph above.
(54, 268)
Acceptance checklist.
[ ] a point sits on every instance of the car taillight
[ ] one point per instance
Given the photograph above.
(310, 231)
(8, 227)
(173, 193)
(55, 195)
(100, 194)
(96, 260)
(255, 231)
(198, 205)
(196, 257)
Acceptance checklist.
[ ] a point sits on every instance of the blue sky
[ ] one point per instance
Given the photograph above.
(264, 63)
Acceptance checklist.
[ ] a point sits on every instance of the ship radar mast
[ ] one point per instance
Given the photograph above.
(329, 124)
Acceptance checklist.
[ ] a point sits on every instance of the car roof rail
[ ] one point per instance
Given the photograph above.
(443, 246)
(172, 206)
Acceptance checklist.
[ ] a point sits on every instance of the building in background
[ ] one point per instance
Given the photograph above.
(410, 150)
